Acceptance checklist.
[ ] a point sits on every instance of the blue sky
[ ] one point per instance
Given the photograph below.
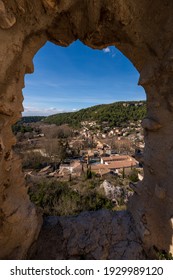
(76, 77)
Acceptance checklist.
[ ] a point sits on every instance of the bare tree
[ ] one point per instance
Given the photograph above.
(53, 131)
(121, 145)
(56, 150)
(56, 143)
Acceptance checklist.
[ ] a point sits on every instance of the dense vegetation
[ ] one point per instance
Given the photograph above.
(22, 125)
(71, 196)
(31, 119)
(115, 114)
(60, 198)
(21, 128)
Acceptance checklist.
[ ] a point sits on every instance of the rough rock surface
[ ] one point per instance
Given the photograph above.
(100, 235)
(143, 32)
(116, 194)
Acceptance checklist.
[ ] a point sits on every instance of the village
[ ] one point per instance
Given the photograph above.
(94, 163)
(101, 150)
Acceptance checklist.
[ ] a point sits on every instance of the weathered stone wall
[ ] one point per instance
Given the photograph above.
(99, 235)
(142, 30)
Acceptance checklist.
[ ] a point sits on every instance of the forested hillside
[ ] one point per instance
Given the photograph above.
(116, 114)
(22, 125)
(30, 119)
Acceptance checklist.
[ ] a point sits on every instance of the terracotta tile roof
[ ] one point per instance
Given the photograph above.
(114, 165)
(115, 158)
(121, 164)
(98, 166)
(100, 169)
(103, 171)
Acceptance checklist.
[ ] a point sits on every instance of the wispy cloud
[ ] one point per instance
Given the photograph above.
(68, 100)
(107, 50)
(34, 111)
(110, 50)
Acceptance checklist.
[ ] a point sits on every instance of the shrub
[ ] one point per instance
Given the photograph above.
(33, 160)
(133, 176)
(58, 198)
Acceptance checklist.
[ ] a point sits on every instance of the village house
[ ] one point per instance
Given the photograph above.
(114, 163)
(100, 169)
(122, 164)
(75, 168)
(112, 158)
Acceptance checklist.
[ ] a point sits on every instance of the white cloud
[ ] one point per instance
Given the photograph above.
(33, 111)
(107, 50)
(111, 51)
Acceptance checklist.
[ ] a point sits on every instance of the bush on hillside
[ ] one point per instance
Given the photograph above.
(58, 198)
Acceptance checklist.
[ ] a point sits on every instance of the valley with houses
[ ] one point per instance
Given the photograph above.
(84, 160)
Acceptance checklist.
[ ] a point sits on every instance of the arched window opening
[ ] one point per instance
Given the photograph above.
(81, 129)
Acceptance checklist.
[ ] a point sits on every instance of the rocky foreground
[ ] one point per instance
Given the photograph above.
(91, 235)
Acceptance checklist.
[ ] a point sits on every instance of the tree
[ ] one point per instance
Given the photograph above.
(53, 131)
(56, 150)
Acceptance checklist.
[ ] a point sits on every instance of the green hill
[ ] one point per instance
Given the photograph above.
(23, 124)
(115, 114)
(31, 119)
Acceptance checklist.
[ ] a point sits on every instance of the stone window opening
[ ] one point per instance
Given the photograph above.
(24, 29)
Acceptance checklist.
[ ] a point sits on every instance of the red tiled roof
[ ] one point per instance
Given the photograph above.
(114, 165)
(99, 166)
(115, 158)
(121, 164)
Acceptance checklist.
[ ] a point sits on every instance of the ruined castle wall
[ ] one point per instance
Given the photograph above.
(142, 30)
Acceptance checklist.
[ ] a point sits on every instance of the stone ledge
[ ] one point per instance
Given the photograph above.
(99, 235)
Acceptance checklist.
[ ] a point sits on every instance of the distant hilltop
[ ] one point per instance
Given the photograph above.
(114, 114)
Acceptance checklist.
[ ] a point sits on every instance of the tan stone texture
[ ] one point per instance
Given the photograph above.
(94, 235)
(143, 32)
